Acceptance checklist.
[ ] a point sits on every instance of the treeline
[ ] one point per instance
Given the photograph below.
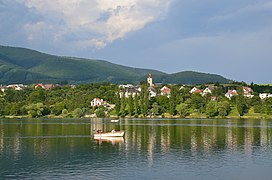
(57, 101)
(76, 102)
(183, 104)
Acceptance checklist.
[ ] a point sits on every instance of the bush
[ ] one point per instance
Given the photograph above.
(77, 113)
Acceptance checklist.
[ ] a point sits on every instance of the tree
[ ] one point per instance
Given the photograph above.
(241, 105)
(211, 109)
(223, 108)
(173, 101)
(100, 112)
(36, 110)
(123, 112)
(155, 109)
(136, 104)
(183, 109)
(197, 102)
(77, 113)
(37, 96)
(144, 100)
(57, 108)
(117, 102)
(130, 105)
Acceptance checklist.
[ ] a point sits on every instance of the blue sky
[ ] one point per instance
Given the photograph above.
(232, 38)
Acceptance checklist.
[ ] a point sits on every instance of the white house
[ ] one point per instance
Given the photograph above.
(97, 102)
(152, 91)
(265, 95)
(129, 90)
(17, 87)
(208, 90)
(165, 91)
(195, 90)
(248, 92)
(231, 93)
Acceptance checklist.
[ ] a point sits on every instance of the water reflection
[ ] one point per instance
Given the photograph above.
(193, 135)
(147, 142)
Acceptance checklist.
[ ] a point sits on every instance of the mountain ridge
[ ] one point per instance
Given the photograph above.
(22, 65)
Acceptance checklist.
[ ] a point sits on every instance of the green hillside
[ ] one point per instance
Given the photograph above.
(190, 77)
(20, 65)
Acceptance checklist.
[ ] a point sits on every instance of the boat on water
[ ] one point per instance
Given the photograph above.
(109, 134)
(115, 120)
(113, 140)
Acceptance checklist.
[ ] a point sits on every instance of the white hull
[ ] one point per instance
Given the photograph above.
(110, 139)
(110, 134)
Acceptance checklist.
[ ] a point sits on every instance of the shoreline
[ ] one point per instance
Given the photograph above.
(147, 117)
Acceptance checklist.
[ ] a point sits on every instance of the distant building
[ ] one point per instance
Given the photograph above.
(128, 90)
(195, 90)
(248, 92)
(44, 86)
(265, 95)
(152, 92)
(3, 88)
(97, 102)
(17, 87)
(231, 93)
(208, 90)
(150, 80)
(165, 91)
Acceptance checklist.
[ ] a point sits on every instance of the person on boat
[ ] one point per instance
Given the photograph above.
(99, 131)
(113, 131)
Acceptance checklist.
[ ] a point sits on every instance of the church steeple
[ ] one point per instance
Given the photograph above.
(149, 80)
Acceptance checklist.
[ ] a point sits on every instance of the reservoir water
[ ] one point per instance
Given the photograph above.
(150, 149)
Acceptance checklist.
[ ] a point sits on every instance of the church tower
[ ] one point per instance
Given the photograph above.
(149, 80)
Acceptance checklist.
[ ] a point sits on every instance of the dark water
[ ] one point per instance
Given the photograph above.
(151, 149)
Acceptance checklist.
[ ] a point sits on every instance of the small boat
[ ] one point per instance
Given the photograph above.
(110, 134)
(113, 140)
(115, 120)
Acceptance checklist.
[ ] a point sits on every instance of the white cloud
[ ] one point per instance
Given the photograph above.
(90, 23)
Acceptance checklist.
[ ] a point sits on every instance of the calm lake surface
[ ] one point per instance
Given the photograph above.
(150, 149)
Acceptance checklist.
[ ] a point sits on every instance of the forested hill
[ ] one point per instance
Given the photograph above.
(20, 65)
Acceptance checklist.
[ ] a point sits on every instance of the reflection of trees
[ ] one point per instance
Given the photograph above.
(152, 137)
(197, 135)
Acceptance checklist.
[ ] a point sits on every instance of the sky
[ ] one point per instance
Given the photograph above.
(231, 38)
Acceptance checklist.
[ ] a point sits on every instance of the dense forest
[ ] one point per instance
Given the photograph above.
(67, 101)
(21, 65)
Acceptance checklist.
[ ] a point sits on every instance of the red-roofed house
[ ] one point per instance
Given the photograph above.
(248, 92)
(195, 90)
(165, 91)
(44, 86)
(231, 93)
(39, 85)
(97, 102)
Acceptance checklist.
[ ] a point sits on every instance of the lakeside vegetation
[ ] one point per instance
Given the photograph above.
(66, 101)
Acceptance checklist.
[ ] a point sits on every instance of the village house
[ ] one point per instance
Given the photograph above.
(152, 92)
(231, 93)
(96, 102)
(165, 91)
(265, 95)
(248, 92)
(195, 90)
(127, 90)
(44, 86)
(208, 90)
(3, 88)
